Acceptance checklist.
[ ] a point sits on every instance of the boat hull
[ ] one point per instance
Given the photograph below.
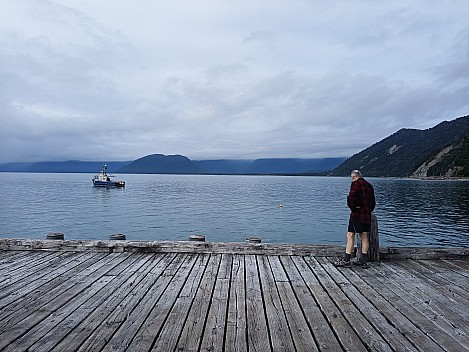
(108, 183)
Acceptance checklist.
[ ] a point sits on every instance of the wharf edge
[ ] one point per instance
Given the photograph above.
(180, 296)
(398, 252)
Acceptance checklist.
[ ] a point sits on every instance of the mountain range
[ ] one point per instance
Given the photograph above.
(440, 151)
(179, 164)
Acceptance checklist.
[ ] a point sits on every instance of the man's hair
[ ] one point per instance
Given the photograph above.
(356, 173)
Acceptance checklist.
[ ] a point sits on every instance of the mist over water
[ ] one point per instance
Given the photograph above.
(303, 210)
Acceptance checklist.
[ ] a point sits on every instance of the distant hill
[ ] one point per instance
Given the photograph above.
(71, 166)
(162, 164)
(441, 151)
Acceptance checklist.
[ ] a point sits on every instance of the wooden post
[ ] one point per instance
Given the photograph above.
(199, 238)
(117, 237)
(373, 239)
(55, 236)
(373, 251)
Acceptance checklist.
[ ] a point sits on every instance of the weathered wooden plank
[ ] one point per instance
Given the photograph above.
(36, 264)
(191, 335)
(116, 293)
(7, 257)
(14, 276)
(66, 327)
(413, 268)
(110, 325)
(215, 323)
(172, 328)
(15, 244)
(302, 337)
(321, 331)
(236, 325)
(90, 316)
(455, 266)
(91, 277)
(32, 282)
(276, 320)
(278, 270)
(435, 325)
(423, 253)
(23, 341)
(170, 247)
(346, 336)
(128, 329)
(395, 328)
(429, 292)
(462, 266)
(12, 259)
(258, 335)
(449, 280)
(24, 306)
(366, 332)
(32, 267)
(225, 247)
(21, 259)
(149, 330)
(395, 310)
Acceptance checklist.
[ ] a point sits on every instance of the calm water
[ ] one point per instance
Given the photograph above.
(229, 208)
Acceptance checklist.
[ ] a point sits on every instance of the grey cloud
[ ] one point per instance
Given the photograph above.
(106, 80)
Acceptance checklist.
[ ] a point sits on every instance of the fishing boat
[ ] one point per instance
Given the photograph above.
(104, 180)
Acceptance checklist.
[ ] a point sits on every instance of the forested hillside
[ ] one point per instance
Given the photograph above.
(411, 152)
(455, 163)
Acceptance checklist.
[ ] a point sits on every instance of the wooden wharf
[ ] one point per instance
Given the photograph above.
(185, 296)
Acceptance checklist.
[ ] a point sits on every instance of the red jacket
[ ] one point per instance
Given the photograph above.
(361, 200)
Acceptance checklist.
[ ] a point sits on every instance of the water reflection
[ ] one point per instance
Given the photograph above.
(423, 212)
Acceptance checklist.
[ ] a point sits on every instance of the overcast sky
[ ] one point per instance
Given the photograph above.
(117, 80)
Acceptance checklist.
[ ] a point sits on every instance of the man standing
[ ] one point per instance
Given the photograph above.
(361, 201)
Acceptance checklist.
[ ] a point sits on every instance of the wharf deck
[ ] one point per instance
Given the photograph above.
(163, 300)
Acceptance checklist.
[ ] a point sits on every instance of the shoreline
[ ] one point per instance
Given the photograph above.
(299, 174)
